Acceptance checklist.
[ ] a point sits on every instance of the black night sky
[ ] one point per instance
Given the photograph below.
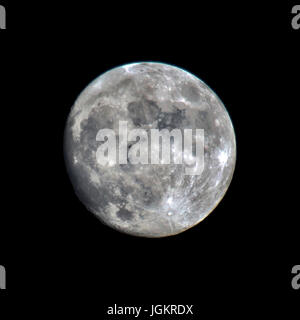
(58, 254)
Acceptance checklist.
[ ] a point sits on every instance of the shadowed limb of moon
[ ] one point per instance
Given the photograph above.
(145, 199)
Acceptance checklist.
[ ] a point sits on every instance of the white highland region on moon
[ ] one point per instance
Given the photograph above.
(149, 200)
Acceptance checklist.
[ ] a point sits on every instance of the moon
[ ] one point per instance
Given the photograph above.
(149, 200)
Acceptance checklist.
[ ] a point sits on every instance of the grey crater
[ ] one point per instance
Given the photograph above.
(149, 200)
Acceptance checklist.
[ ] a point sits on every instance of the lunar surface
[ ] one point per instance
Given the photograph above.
(149, 200)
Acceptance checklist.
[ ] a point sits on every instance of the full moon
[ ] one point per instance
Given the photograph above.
(149, 199)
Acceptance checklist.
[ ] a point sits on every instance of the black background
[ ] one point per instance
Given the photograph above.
(56, 251)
